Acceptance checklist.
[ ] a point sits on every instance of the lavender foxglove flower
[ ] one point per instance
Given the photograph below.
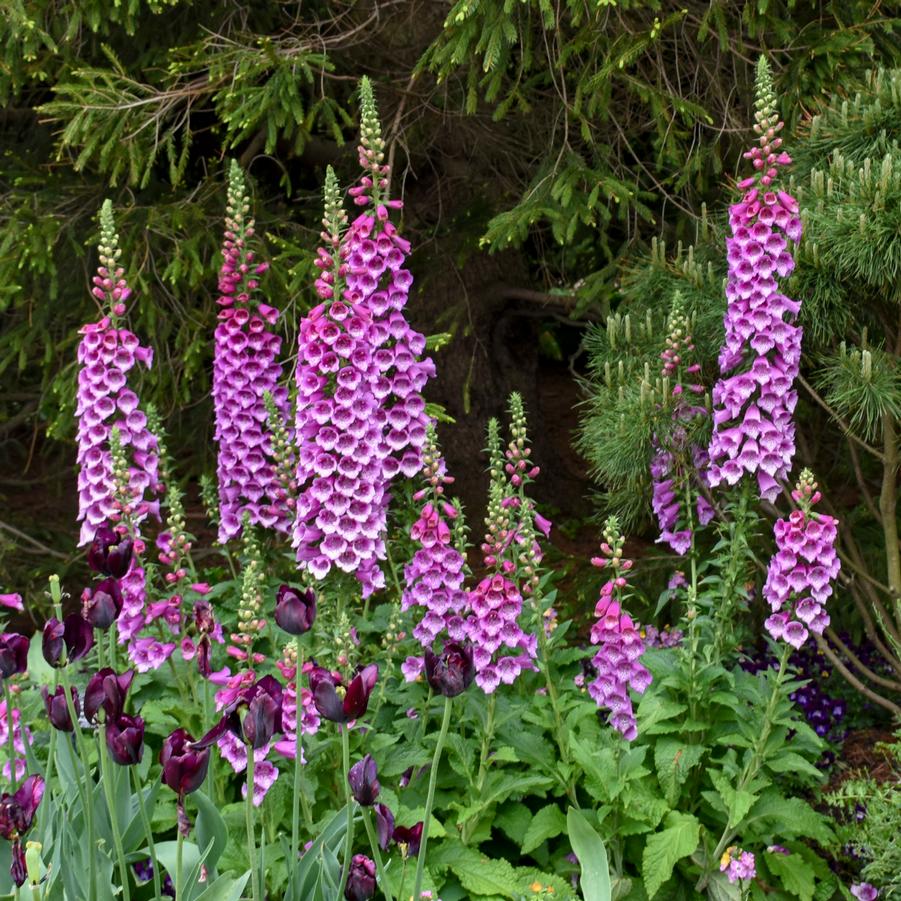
(754, 399)
(800, 574)
(679, 465)
(339, 425)
(360, 415)
(617, 662)
(245, 369)
(433, 579)
(104, 401)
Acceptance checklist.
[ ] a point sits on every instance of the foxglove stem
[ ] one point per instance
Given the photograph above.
(106, 776)
(376, 853)
(251, 832)
(349, 833)
(470, 825)
(148, 831)
(561, 733)
(298, 756)
(10, 732)
(84, 787)
(430, 798)
(753, 766)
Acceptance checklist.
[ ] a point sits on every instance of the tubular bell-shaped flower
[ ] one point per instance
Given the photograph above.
(800, 575)
(753, 431)
(679, 465)
(617, 661)
(105, 402)
(496, 602)
(433, 579)
(361, 418)
(245, 369)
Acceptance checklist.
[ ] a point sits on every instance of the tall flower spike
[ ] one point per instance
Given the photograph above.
(434, 577)
(800, 575)
(245, 368)
(679, 465)
(104, 400)
(339, 424)
(496, 602)
(617, 662)
(753, 431)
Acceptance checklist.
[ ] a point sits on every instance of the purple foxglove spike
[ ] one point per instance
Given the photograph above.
(761, 350)
(245, 369)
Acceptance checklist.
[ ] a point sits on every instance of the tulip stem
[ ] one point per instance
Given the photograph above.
(85, 787)
(376, 854)
(349, 832)
(179, 850)
(430, 798)
(151, 845)
(251, 832)
(10, 730)
(298, 759)
(106, 775)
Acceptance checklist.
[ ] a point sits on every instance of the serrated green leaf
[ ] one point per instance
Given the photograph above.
(795, 874)
(549, 822)
(664, 849)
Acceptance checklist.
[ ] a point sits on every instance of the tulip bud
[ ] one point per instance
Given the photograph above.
(355, 702)
(102, 604)
(58, 710)
(451, 672)
(364, 783)
(295, 609)
(52, 641)
(125, 739)
(184, 767)
(260, 720)
(110, 553)
(384, 825)
(106, 690)
(360, 879)
(13, 654)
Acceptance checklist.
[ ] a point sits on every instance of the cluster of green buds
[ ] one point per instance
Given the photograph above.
(209, 497)
(371, 149)
(284, 456)
(253, 580)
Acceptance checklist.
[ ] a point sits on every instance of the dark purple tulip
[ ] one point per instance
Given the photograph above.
(184, 767)
(353, 705)
(203, 617)
(110, 553)
(408, 838)
(451, 672)
(203, 657)
(74, 635)
(125, 739)
(58, 710)
(295, 609)
(13, 654)
(384, 825)
(52, 642)
(18, 869)
(360, 879)
(364, 781)
(262, 720)
(102, 604)
(17, 810)
(106, 690)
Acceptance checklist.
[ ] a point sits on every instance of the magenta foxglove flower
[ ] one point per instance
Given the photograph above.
(245, 369)
(753, 430)
(738, 864)
(433, 579)
(617, 662)
(863, 891)
(14, 721)
(105, 401)
(801, 572)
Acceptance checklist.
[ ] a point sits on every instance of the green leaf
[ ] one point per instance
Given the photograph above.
(674, 760)
(589, 849)
(478, 874)
(549, 822)
(795, 873)
(210, 828)
(225, 888)
(514, 819)
(793, 817)
(664, 849)
(790, 762)
(737, 801)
